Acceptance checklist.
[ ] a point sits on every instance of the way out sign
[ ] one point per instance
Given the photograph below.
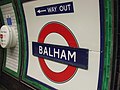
(65, 44)
(60, 8)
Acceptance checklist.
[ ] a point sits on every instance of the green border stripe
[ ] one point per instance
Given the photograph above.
(108, 44)
(1, 17)
(5, 2)
(24, 76)
(19, 31)
(5, 69)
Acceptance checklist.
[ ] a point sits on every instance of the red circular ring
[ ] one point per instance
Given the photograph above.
(55, 27)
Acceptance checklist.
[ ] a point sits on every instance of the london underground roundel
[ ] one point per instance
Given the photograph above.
(55, 27)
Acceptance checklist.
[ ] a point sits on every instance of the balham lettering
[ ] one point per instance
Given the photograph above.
(60, 54)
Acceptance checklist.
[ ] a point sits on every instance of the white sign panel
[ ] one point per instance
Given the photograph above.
(64, 43)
